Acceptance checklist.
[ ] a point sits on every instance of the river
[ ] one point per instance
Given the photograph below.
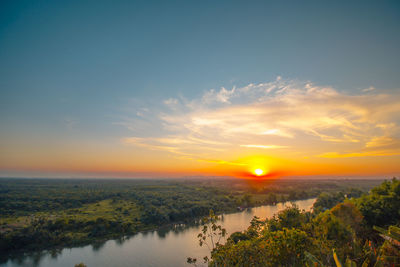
(164, 247)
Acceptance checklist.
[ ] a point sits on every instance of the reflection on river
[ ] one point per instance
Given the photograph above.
(164, 247)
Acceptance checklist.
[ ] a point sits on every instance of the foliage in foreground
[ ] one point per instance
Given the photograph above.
(341, 234)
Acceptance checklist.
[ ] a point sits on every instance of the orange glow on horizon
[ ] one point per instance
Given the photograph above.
(122, 163)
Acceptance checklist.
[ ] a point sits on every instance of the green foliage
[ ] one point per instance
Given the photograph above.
(238, 236)
(389, 252)
(349, 214)
(97, 210)
(311, 260)
(284, 247)
(290, 217)
(44, 213)
(210, 235)
(297, 238)
(266, 243)
(327, 200)
(246, 200)
(382, 206)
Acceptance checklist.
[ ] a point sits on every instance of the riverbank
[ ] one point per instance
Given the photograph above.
(81, 240)
(162, 247)
(40, 214)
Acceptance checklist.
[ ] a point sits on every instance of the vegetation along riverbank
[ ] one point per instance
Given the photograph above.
(54, 213)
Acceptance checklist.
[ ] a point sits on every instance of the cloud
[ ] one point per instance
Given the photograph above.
(70, 123)
(222, 162)
(264, 146)
(277, 132)
(382, 141)
(297, 116)
(369, 89)
(375, 147)
(359, 154)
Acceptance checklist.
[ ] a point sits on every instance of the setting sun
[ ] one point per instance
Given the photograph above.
(125, 117)
(258, 172)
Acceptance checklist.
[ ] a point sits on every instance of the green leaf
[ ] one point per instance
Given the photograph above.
(350, 263)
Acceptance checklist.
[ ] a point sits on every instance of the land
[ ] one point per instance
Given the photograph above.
(41, 214)
(354, 231)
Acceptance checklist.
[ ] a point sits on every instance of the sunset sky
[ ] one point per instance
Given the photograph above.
(199, 88)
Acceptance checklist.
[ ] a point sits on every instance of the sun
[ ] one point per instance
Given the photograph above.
(258, 172)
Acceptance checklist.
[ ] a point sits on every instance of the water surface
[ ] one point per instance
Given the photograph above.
(164, 247)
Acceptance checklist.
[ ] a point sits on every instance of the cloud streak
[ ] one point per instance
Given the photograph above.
(298, 117)
(264, 146)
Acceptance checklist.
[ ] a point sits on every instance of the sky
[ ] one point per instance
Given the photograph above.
(199, 88)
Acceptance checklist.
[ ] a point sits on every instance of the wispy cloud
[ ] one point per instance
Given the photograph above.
(264, 146)
(70, 123)
(369, 89)
(277, 132)
(359, 154)
(298, 116)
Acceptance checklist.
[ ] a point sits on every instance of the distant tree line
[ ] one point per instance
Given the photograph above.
(42, 213)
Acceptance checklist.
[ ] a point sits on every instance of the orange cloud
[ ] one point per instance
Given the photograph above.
(285, 119)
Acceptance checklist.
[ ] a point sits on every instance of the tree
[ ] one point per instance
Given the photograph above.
(285, 247)
(381, 206)
(290, 217)
(326, 201)
(210, 235)
(349, 214)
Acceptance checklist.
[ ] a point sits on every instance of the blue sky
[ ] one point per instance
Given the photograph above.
(73, 70)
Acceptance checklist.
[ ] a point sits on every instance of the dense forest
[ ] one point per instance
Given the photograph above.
(340, 231)
(52, 213)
